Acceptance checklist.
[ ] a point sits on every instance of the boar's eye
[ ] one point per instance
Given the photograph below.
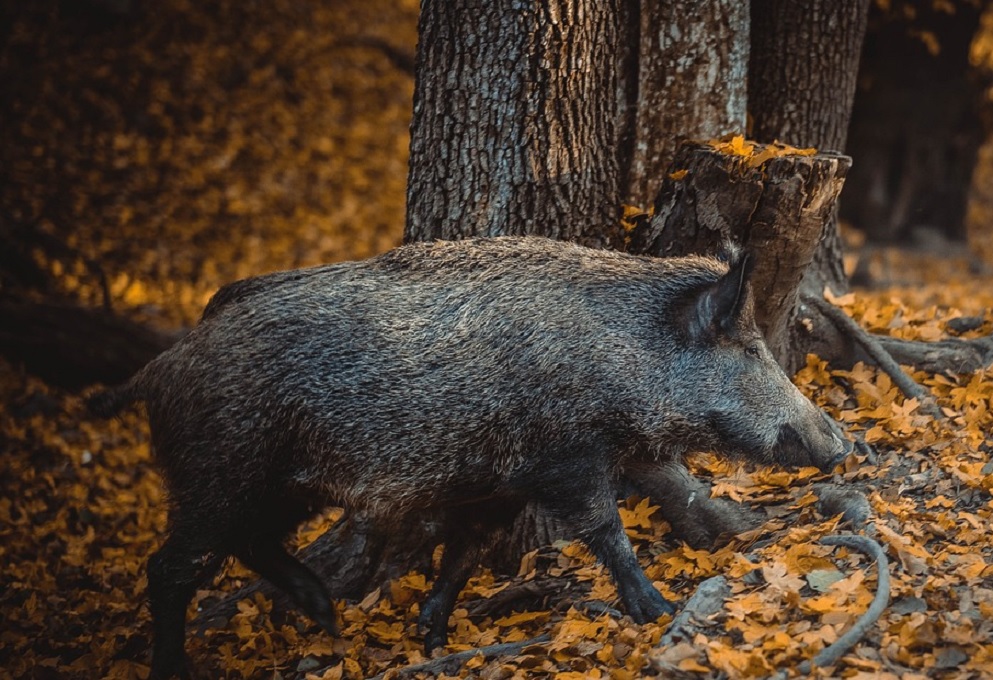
(752, 350)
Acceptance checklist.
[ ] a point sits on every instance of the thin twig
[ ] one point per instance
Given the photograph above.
(452, 662)
(883, 359)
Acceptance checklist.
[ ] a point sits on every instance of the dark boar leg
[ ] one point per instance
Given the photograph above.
(260, 547)
(182, 564)
(269, 559)
(593, 513)
(468, 530)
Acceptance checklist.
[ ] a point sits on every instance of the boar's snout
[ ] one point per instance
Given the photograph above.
(821, 444)
(838, 454)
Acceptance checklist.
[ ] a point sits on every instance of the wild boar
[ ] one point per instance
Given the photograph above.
(467, 377)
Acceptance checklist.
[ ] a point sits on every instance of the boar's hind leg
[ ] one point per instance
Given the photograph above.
(592, 511)
(468, 532)
(267, 557)
(183, 563)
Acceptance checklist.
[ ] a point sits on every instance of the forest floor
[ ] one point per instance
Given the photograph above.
(284, 144)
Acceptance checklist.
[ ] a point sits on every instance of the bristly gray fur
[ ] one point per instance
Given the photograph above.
(470, 374)
(444, 365)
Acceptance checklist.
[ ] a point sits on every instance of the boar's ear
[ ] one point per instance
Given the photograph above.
(719, 305)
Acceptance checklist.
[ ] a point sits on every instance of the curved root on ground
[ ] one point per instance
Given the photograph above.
(830, 654)
(875, 350)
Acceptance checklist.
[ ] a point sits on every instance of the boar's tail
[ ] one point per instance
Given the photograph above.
(109, 402)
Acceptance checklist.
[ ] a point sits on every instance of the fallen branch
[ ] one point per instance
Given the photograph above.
(875, 350)
(704, 603)
(452, 662)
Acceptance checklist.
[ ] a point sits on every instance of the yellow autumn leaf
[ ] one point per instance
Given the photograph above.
(385, 632)
(572, 630)
(737, 662)
(475, 662)
(523, 617)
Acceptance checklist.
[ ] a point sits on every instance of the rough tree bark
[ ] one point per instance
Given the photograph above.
(512, 131)
(801, 85)
(684, 77)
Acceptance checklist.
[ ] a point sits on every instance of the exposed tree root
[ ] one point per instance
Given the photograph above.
(452, 662)
(684, 501)
(872, 346)
(598, 608)
(830, 654)
(352, 558)
(704, 603)
(952, 355)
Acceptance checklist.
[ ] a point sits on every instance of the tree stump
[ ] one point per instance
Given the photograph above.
(771, 200)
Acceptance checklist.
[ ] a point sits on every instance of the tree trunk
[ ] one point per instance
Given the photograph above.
(685, 76)
(515, 121)
(801, 84)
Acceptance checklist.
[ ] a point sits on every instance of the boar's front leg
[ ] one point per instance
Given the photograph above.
(468, 531)
(267, 557)
(260, 547)
(587, 502)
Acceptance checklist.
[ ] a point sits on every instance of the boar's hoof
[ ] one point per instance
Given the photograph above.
(433, 625)
(435, 639)
(649, 606)
(828, 466)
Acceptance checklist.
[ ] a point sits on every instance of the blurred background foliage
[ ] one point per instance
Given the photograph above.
(181, 145)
